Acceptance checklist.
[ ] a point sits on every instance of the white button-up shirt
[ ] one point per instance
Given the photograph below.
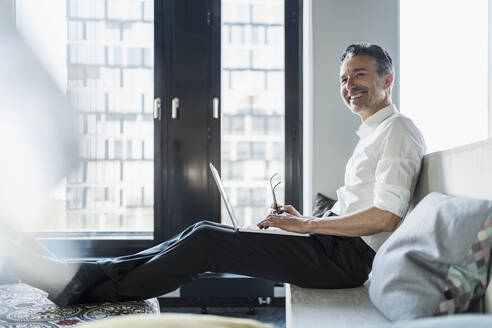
(383, 169)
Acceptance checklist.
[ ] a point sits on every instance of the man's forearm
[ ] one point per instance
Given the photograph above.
(362, 223)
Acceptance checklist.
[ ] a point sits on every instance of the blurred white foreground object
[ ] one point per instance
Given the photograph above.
(38, 137)
(176, 320)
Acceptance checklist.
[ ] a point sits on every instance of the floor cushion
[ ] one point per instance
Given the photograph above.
(24, 306)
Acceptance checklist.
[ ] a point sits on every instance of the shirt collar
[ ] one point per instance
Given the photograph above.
(374, 120)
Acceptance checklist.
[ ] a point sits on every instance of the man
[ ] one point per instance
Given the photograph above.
(379, 180)
(382, 172)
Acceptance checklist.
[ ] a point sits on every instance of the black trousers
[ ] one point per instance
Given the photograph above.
(318, 261)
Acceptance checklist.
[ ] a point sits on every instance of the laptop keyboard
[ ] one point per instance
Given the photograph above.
(258, 228)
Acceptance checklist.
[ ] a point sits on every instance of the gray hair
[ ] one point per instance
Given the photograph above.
(382, 58)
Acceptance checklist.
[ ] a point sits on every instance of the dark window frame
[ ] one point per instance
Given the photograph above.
(293, 104)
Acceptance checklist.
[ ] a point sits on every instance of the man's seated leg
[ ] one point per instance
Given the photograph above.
(317, 261)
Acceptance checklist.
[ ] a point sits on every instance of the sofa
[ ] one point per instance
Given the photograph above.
(461, 171)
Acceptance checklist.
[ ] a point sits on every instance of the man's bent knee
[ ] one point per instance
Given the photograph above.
(203, 223)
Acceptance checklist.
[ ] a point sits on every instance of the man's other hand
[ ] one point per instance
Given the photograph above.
(287, 222)
(289, 209)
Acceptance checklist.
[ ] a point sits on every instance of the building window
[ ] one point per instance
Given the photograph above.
(243, 150)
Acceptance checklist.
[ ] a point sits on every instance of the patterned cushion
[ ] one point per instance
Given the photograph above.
(468, 280)
(24, 306)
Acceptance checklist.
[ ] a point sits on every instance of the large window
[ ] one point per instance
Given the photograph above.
(444, 69)
(101, 54)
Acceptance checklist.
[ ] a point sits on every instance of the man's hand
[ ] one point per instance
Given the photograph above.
(289, 209)
(361, 223)
(288, 222)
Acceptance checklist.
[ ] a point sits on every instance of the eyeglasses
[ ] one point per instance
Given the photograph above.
(279, 209)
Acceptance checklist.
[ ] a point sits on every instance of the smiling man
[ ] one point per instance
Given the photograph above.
(381, 174)
(379, 181)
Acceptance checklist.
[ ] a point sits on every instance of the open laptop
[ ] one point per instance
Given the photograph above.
(232, 215)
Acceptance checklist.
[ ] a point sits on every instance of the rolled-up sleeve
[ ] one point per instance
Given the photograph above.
(397, 168)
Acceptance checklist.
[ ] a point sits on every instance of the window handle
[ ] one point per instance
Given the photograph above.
(215, 104)
(174, 108)
(157, 108)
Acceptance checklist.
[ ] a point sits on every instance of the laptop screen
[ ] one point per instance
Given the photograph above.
(218, 181)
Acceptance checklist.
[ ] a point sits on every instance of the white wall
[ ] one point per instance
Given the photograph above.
(335, 24)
